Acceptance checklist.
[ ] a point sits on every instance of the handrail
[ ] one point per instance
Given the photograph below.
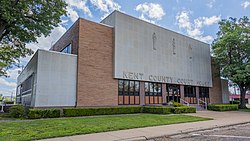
(204, 102)
(2, 111)
(185, 102)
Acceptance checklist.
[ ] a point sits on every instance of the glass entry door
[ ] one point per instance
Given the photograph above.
(173, 93)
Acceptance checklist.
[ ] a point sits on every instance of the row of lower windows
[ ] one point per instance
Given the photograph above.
(129, 93)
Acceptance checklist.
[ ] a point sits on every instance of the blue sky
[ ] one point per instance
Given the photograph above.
(195, 18)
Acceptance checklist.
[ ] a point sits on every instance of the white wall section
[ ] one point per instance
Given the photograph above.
(55, 74)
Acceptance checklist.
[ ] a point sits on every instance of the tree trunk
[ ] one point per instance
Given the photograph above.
(242, 98)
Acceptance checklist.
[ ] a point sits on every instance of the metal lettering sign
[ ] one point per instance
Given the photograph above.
(154, 40)
(162, 79)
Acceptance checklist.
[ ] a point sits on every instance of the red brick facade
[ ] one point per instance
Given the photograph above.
(215, 92)
(96, 86)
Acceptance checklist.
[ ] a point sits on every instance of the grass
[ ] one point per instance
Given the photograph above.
(48, 128)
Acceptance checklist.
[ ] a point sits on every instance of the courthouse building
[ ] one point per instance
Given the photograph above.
(121, 61)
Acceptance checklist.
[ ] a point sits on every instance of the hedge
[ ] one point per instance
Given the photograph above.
(43, 113)
(222, 107)
(157, 110)
(183, 109)
(72, 112)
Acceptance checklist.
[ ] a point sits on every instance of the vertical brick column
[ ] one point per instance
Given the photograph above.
(182, 91)
(164, 93)
(197, 93)
(142, 93)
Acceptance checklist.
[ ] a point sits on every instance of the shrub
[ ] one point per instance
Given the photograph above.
(43, 113)
(17, 111)
(183, 109)
(176, 104)
(222, 107)
(72, 112)
(157, 110)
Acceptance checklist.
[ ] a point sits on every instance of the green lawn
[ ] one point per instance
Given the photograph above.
(47, 128)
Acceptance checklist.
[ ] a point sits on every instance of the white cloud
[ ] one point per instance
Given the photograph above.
(183, 20)
(74, 5)
(152, 11)
(72, 14)
(211, 20)
(4, 82)
(210, 3)
(194, 29)
(105, 6)
(245, 4)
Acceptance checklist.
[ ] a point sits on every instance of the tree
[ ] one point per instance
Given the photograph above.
(22, 22)
(231, 49)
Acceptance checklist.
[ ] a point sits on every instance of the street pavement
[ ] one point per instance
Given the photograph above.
(230, 133)
(221, 119)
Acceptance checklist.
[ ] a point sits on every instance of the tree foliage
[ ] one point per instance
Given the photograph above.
(231, 49)
(22, 22)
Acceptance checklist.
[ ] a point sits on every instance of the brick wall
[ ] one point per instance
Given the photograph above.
(215, 92)
(96, 86)
(70, 36)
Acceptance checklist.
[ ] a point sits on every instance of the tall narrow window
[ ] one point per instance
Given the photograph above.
(128, 92)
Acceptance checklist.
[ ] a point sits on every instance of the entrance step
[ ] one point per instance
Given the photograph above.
(198, 107)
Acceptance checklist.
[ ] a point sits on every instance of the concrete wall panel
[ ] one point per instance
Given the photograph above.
(144, 51)
(56, 79)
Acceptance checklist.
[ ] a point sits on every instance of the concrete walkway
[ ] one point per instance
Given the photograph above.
(220, 119)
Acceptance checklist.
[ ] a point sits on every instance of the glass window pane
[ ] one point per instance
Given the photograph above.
(67, 49)
(146, 87)
(131, 86)
(137, 86)
(120, 87)
(126, 83)
(151, 87)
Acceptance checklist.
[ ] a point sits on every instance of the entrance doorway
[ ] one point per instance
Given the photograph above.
(173, 93)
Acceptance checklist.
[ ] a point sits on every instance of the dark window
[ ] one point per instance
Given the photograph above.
(153, 93)
(67, 49)
(128, 92)
(190, 94)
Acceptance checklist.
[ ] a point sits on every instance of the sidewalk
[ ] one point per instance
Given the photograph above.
(220, 119)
